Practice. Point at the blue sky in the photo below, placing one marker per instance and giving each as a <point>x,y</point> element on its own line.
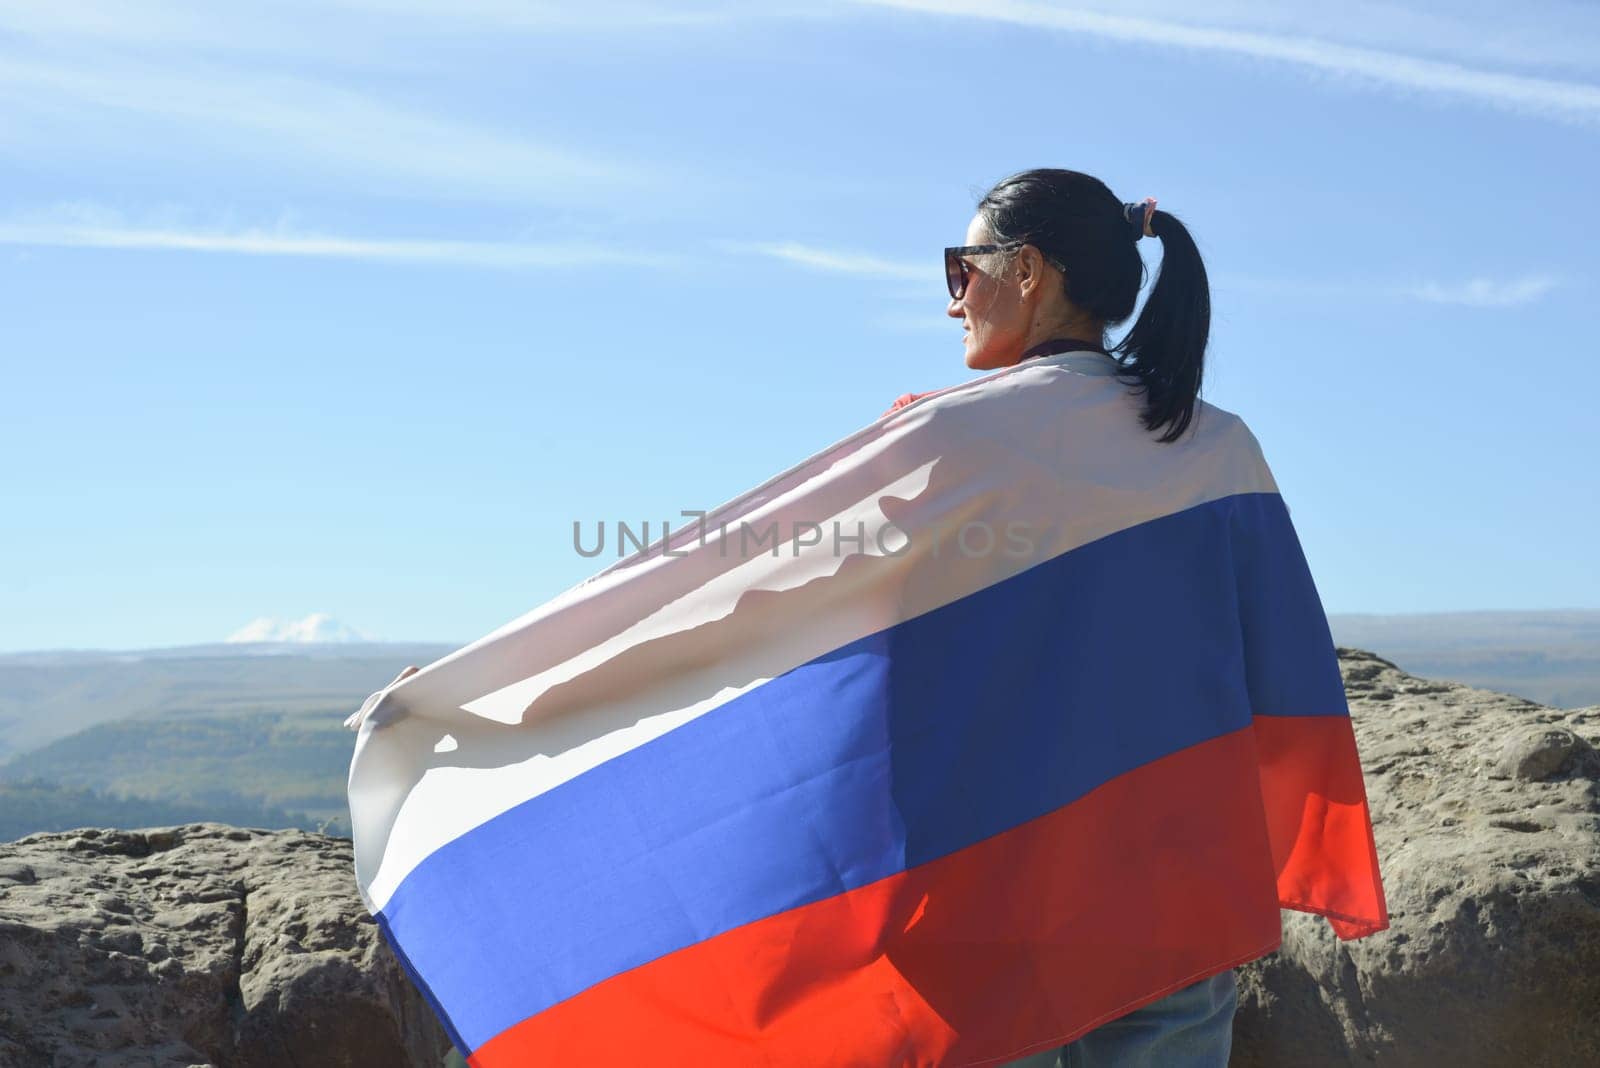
<point>355,308</point>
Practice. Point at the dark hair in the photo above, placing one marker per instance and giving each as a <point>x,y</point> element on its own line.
<point>1076,221</point>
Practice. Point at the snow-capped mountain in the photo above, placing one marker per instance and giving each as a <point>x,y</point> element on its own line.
<point>317,627</point>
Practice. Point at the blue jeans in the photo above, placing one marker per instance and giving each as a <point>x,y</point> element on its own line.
<point>1189,1028</point>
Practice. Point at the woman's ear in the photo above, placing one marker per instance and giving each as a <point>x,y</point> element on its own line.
<point>1030,270</point>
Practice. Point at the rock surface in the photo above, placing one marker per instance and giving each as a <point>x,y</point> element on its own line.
<point>198,945</point>
<point>1486,811</point>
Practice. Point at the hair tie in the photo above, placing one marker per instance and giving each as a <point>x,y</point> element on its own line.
<point>1138,214</point>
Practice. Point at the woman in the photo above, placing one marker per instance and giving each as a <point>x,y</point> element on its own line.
<point>1050,258</point>
<point>1050,261</point>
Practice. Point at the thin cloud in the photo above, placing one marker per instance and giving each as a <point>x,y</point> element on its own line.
<point>517,15</point>
<point>1278,286</point>
<point>1483,292</point>
<point>1539,33</point>
<point>484,254</point>
<point>315,125</point>
<point>1567,101</point>
<point>1477,292</point>
<point>861,265</point>
<point>278,27</point>
<point>1538,36</point>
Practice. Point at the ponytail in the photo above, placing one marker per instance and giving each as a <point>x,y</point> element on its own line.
<point>1165,349</point>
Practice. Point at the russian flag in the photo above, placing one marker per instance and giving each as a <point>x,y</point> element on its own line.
<point>988,724</point>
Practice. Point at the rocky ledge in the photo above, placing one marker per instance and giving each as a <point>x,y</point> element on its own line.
<point>1486,811</point>
<point>211,945</point>
<point>198,945</point>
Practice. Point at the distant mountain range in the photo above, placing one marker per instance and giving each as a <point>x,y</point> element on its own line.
<point>251,731</point>
<point>1550,657</point>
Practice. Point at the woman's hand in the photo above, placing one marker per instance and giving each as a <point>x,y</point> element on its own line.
<point>903,400</point>
<point>357,718</point>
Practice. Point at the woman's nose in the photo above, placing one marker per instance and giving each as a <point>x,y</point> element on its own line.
<point>954,309</point>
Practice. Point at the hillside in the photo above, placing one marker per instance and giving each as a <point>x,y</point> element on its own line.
<point>252,733</point>
<point>270,761</point>
<point>47,696</point>
<point>31,806</point>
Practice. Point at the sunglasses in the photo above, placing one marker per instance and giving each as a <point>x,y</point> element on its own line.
<point>955,268</point>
